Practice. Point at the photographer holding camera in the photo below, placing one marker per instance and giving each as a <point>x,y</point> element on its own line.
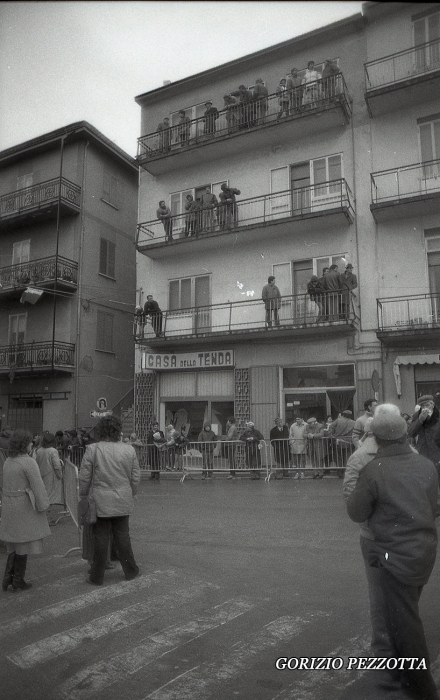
<point>425,426</point>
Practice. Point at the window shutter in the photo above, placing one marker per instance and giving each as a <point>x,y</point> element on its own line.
<point>111,259</point>
<point>103,256</point>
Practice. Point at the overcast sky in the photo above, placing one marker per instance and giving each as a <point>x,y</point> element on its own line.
<point>62,62</point>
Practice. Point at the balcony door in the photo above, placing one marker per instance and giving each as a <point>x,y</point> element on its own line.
<point>427,29</point>
<point>434,282</point>
<point>429,135</point>
<point>325,175</point>
<point>300,184</point>
<point>21,252</point>
<point>202,313</point>
<point>302,272</point>
<point>16,337</point>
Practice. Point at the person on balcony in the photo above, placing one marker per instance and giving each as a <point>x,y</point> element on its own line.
<point>152,309</point>
<point>260,95</point>
<point>209,118</point>
<point>311,92</point>
<point>293,85</point>
<point>245,97</point>
<point>232,108</point>
<point>349,281</point>
<point>209,203</point>
<point>333,286</point>
<point>316,293</point>
<point>330,82</point>
<point>228,206</point>
<point>271,296</point>
<point>183,128</point>
<point>164,131</point>
<point>283,99</point>
<point>164,214</point>
<point>279,439</point>
<point>190,217</point>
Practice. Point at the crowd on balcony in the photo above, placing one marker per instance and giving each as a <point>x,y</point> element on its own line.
<point>247,107</point>
<point>332,292</point>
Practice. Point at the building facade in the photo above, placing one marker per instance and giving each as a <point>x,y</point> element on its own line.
<point>330,167</point>
<point>68,203</point>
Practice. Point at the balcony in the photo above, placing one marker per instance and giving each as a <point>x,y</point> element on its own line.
<point>411,190</point>
<point>42,273</point>
<point>326,205</point>
<point>45,358</point>
<point>177,147</point>
<point>39,203</point>
<point>409,320</point>
<point>403,79</point>
<point>299,317</point>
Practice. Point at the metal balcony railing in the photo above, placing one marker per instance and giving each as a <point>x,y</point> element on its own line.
<point>257,211</point>
<point>38,195</point>
<point>298,102</point>
<point>38,271</point>
<point>295,311</point>
<point>408,312</point>
<point>36,355</point>
<point>407,181</point>
<point>403,65</point>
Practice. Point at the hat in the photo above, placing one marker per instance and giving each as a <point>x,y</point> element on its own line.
<point>349,266</point>
<point>389,426</point>
<point>311,420</point>
<point>250,424</point>
<point>425,398</point>
<point>208,103</point>
<point>347,413</point>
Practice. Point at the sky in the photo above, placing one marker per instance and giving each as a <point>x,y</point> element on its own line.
<point>62,62</point>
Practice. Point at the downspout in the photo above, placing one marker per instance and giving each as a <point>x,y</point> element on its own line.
<point>57,245</point>
<point>80,277</point>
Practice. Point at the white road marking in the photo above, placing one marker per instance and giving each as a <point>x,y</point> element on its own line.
<point>51,647</point>
<point>82,601</point>
<point>194,685</point>
<point>101,675</point>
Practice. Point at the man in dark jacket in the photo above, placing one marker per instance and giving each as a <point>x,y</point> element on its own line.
<point>209,118</point>
<point>252,438</point>
<point>397,492</point>
<point>279,439</point>
<point>425,426</point>
<point>152,309</point>
<point>333,285</point>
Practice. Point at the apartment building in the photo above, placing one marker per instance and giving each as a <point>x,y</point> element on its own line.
<point>68,202</point>
<point>335,173</point>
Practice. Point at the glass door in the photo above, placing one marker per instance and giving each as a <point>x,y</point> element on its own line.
<point>202,297</point>
<point>300,184</point>
<point>306,405</point>
<point>301,306</point>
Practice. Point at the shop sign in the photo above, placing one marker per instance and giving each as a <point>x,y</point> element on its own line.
<point>189,360</point>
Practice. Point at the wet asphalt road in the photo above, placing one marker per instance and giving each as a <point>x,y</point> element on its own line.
<point>234,574</point>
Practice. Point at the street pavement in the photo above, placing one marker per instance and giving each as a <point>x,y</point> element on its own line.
<point>234,575</point>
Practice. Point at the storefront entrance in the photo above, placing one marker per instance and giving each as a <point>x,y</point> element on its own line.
<point>307,405</point>
<point>194,414</point>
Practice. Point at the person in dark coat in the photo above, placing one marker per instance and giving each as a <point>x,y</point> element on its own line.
<point>209,118</point>
<point>260,101</point>
<point>252,437</point>
<point>425,426</point>
<point>164,214</point>
<point>279,439</point>
<point>228,213</point>
<point>316,293</point>
<point>349,282</point>
<point>183,128</point>
<point>293,84</point>
<point>397,493</point>
<point>152,309</point>
<point>333,285</point>
<point>330,81</point>
<point>245,98</point>
<point>164,131</point>
<point>155,439</point>
<point>208,440</point>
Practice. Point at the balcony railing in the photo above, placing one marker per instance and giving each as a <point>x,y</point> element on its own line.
<point>29,356</point>
<point>407,181</point>
<point>300,102</point>
<point>40,271</point>
<point>296,311</point>
<point>409,312</point>
<point>417,61</point>
<point>39,195</point>
<point>314,200</point>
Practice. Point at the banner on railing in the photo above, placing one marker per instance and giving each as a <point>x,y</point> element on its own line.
<point>188,360</point>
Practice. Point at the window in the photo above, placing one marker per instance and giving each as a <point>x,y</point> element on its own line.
<point>111,190</point>
<point>429,134</point>
<point>427,29</point>
<point>24,181</point>
<point>107,253</point>
<point>432,244</point>
<point>189,292</point>
<point>104,331</point>
<point>21,252</point>
<point>314,185</point>
<point>178,201</point>
<point>17,329</point>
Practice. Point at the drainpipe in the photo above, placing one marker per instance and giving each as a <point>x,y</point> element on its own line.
<point>54,312</point>
<point>80,277</point>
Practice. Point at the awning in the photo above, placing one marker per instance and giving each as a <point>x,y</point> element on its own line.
<point>411,360</point>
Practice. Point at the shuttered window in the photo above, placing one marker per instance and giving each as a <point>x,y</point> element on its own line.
<point>107,255</point>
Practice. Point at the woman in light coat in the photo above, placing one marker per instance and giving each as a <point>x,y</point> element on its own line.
<point>113,467</point>
<point>49,463</point>
<point>24,523</point>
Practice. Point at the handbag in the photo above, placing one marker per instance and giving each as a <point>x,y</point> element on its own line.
<point>87,505</point>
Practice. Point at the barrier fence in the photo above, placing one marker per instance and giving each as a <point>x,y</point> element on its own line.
<point>310,456</point>
<point>71,497</point>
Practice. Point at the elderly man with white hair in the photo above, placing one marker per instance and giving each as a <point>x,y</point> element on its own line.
<point>397,493</point>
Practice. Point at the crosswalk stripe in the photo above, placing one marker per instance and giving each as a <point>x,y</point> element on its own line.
<point>57,644</point>
<point>82,601</point>
<point>194,685</point>
<point>100,675</point>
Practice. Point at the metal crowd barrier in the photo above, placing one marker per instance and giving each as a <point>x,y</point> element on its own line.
<point>310,455</point>
<point>233,457</point>
<point>71,497</point>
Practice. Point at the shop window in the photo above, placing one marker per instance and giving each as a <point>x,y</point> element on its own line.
<point>318,376</point>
